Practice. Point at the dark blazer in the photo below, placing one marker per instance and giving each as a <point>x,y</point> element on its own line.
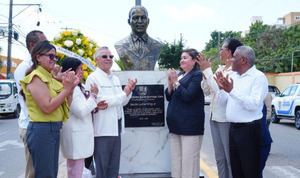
<point>185,114</point>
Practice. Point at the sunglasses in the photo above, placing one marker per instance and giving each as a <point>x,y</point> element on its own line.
<point>106,56</point>
<point>51,56</point>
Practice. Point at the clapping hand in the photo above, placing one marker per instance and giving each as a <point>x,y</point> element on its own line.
<point>172,77</point>
<point>130,86</point>
<point>56,73</point>
<point>70,80</point>
<point>203,63</point>
<point>224,83</point>
<point>102,105</point>
<point>94,89</point>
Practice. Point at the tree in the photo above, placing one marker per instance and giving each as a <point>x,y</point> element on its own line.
<point>211,48</point>
<point>120,64</point>
<point>274,46</point>
<point>170,54</point>
<point>213,42</point>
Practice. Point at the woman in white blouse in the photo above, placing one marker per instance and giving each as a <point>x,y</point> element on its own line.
<point>77,139</point>
<point>218,124</point>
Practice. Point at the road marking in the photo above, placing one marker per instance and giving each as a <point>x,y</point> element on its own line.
<point>207,170</point>
<point>11,142</point>
<point>284,171</point>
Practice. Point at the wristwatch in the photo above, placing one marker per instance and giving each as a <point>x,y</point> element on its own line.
<point>176,85</point>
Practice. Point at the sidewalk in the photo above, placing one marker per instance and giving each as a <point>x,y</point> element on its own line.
<point>206,171</point>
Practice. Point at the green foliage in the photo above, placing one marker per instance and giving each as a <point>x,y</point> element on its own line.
<point>273,46</point>
<point>211,48</point>
<point>213,42</point>
<point>170,54</point>
<point>120,64</point>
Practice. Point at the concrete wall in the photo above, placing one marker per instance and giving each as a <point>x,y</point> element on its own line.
<point>283,80</point>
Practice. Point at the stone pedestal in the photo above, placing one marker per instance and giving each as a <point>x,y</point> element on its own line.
<point>145,149</point>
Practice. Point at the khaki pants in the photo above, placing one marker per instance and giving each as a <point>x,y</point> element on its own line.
<point>185,155</point>
<point>29,165</point>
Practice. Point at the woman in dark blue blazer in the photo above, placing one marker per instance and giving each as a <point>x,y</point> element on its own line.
<point>185,116</point>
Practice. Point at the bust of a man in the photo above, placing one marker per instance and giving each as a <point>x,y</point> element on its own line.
<point>138,51</point>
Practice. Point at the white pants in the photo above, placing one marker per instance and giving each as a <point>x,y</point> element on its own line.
<point>185,155</point>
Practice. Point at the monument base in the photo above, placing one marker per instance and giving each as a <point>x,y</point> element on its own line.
<point>145,150</point>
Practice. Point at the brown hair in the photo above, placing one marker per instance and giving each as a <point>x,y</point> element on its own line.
<point>193,53</point>
<point>40,48</point>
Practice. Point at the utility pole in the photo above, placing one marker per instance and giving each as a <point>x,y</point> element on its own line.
<point>9,40</point>
<point>292,62</point>
<point>219,48</point>
<point>138,2</point>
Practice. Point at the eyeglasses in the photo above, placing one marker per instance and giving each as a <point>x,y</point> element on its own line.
<point>51,56</point>
<point>221,49</point>
<point>106,56</point>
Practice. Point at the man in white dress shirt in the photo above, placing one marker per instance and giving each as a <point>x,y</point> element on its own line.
<point>32,38</point>
<point>108,123</point>
<point>244,94</point>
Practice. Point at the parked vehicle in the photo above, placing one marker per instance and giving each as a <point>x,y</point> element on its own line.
<point>274,91</point>
<point>9,103</point>
<point>287,105</point>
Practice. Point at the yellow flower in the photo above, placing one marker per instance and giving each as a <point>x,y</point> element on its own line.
<point>58,44</point>
<point>84,67</point>
<point>86,42</point>
<point>67,33</point>
<point>85,74</point>
<point>90,53</point>
<point>94,63</point>
<point>60,55</point>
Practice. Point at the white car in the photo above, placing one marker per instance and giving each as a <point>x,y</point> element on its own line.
<point>287,105</point>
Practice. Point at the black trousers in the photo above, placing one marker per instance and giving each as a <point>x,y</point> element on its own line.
<point>244,145</point>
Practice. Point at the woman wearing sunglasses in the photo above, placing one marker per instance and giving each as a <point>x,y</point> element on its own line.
<point>47,103</point>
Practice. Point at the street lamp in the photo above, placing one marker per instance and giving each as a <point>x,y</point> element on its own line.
<point>292,62</point>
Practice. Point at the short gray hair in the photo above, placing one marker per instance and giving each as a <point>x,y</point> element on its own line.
<point>99,51</point>
<point>247,52</point>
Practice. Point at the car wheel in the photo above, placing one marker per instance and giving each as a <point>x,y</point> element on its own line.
<point>297,119</point>
<point>274,117</point>
<point>17,112</point>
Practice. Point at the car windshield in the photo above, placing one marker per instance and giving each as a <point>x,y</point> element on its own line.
<point>5,89</point>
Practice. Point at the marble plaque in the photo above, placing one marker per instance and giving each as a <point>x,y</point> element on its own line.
<point>146,107</point>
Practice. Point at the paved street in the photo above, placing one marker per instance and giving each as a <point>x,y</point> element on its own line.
<point>12,158</point>
<point>284,160</point>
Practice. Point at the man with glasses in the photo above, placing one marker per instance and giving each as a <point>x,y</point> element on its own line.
<point>109,122</point>
<point>138,51</point>
<point>32,39</point>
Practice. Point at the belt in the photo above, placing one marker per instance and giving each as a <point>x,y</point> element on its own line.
<point>244,123</point>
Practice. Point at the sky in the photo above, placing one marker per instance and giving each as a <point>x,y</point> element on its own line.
<point>105,21</point>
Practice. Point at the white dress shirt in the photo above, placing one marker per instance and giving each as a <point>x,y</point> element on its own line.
<point>210,87</point>
<point>19,74</point>
<point>110,90</point>
<point>246,99</point>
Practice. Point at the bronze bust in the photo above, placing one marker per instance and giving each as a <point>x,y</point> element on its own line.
<point>138,51</point>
